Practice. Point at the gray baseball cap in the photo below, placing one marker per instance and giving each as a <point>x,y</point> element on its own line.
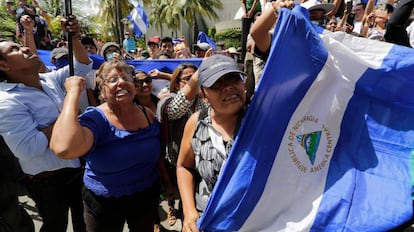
<point>214,67</point>
<point>58,53</point>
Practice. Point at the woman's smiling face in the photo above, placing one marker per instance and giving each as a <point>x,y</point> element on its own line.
<point>119,86</point>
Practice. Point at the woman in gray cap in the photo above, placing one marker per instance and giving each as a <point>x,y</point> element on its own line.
<point>209,134</point>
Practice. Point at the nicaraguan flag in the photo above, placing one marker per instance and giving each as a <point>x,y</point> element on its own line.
<point>202,37</point>
<point>139,20</point>
<point>326,142</point>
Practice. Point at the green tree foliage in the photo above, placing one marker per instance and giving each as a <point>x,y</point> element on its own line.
<point>230,38</point>
<point>193,9</point>
<point>110,15</point>
<point>7,24</point>
<point>53,7</point>
<point>170,13</point>
<point>107,23</point>
<point>156,15</point>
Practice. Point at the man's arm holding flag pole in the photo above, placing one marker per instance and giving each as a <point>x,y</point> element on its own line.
<point>71,29</point>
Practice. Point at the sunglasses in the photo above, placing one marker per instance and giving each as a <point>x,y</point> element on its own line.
<point>140,82</point>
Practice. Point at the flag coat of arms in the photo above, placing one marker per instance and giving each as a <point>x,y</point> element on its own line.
<point>326,142</point>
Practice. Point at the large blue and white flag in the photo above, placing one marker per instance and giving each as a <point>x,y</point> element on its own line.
<point>139,20</point>
<point>326,142</point>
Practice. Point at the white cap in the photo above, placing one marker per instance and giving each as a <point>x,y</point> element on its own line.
<point>316,5</point>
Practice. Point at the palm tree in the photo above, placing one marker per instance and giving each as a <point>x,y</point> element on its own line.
<point>53,7</point>
<point>192,9</point>
<point>157,17</point>
<point>169,13</point>
<point>111,12</point>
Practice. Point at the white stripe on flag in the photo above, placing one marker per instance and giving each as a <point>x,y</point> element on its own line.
<point>139,22</point>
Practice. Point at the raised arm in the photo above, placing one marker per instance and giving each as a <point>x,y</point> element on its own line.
<point>260,28</point>
<point>69,139</point>
<point>191,89</point>
<point>368,18</point>
<point>157,73</point>
<point>184,99</point>
<point>251,11</point>
<point>71,26</point>
<point>337,4</point>
<point>29,9</point>
<point>185,176</point>
<point>9,9</point>
<point>28,37</point>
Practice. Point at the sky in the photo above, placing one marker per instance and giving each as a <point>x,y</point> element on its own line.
<point>86,7</point>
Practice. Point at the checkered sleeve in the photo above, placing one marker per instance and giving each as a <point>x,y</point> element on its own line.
<point>179,106</point>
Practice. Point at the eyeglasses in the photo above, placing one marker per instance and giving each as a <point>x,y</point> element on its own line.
<point>115,79</point>
<point>140,82</point>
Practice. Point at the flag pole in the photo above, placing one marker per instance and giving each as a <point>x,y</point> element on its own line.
<point>68,15</point>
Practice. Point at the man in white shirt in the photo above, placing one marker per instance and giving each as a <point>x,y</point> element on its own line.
<point>29,105</point>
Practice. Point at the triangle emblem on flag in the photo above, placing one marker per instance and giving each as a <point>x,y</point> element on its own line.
<point>310,143</point>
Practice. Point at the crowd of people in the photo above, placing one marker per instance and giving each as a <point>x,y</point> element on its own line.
<point>106,142</point>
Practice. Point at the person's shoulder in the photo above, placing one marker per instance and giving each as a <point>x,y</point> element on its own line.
<point>5,96</point>
<point>93,112</point>
<point>194,117</point>
<point>5,87</point>
<point>192,121</point>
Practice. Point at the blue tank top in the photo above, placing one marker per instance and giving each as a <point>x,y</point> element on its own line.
<point>121,162</point>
